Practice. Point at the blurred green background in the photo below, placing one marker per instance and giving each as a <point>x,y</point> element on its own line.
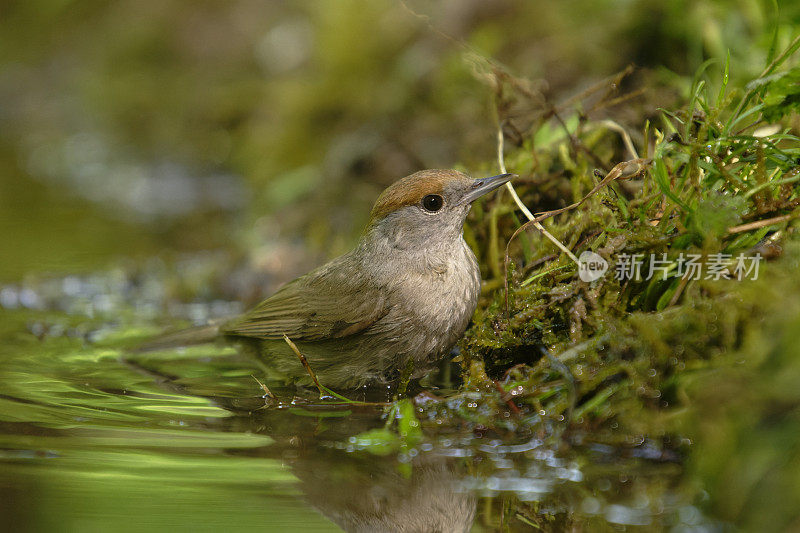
<point>253,137</point>
<point>135,128</point>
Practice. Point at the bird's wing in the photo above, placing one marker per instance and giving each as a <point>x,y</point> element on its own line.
<point>324,304</point>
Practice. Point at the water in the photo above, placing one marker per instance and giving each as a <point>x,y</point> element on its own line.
<point>94,437</point>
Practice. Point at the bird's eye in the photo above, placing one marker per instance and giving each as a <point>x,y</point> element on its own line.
<point>432,202</point>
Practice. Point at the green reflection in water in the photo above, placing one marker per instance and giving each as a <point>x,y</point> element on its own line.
<point>88,443</point>
<point>133,490</point>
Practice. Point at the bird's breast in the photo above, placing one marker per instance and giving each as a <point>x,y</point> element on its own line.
<point>434,298</point>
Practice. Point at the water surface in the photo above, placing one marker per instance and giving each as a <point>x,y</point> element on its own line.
<point>95,437</point>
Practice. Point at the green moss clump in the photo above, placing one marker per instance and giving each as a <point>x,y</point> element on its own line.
<point>703,367</point>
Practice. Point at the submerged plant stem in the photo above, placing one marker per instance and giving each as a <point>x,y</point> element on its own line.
<point>308,368</point>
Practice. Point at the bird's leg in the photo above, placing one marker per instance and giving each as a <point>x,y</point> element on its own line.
<point>405,378</point>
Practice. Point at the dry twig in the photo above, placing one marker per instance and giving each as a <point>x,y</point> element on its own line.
<point>299,354</point>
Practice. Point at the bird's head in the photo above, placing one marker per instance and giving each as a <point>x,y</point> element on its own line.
<point>429,204</point>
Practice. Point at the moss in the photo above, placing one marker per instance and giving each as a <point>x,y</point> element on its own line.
<point>671,360</point>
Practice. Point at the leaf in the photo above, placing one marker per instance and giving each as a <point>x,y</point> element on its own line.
<point>781,93</point>
<point>380,441</point>
<point>662,180</point>
<point>407,423</point>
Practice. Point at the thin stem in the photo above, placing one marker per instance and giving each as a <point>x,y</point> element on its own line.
<point>626,138</point>
<point>762,223</point>
<point>308,368</point>
<point>501,163</point>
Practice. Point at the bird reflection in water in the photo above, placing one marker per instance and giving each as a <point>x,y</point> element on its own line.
<point>363,492</point>
<point>368,494</point>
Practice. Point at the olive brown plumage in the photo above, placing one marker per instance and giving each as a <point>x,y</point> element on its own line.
<point>404,295</point>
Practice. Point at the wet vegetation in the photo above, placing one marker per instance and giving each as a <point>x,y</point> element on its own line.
<point>639,364</point>
<point>180,174</point>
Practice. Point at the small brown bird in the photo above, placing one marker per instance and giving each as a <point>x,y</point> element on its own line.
<point>403,296</point>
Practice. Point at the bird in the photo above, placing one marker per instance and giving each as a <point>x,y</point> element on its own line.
<point>393,306</point>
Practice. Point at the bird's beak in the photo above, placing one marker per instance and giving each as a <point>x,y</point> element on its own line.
<point>483,185</point>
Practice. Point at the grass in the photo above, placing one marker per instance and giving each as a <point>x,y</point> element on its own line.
<point>694,378</point>
<point>697,367</point>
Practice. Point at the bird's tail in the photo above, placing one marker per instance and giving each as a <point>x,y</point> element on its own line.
<point>185,337</point>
